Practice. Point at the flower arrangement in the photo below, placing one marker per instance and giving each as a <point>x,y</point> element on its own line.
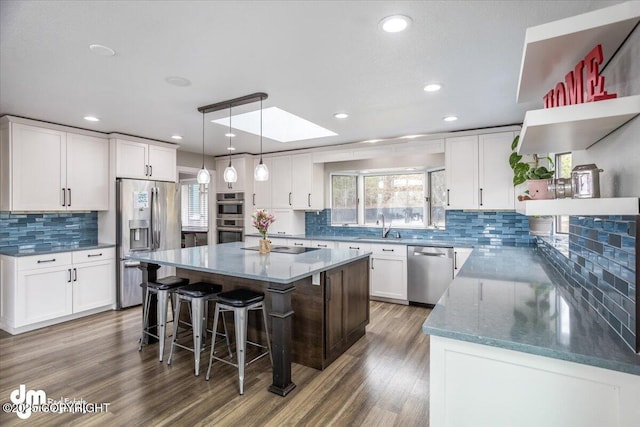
<point>262,220</point>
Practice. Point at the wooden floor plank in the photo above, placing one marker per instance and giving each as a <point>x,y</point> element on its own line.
<point>383,379</point>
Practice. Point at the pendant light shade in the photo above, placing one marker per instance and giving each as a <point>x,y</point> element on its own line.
<point>230,174</point>
<point>261,173</point>
<point>203,176</point>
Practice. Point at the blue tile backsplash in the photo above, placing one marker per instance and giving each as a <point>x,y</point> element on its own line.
<point>472,227</point>
<point>601,267</point>
<point>47,230</point>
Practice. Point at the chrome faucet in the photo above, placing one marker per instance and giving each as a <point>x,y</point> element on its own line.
<point>384,233</point>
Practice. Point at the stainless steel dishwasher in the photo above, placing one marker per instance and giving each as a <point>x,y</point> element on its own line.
<point>429,272</point>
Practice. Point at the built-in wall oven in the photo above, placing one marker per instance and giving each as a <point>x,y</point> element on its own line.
<point>230,217</point>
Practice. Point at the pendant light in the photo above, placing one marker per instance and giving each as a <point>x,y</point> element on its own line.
<point>203,176</point>
<point>230,174</point>
<point>261,173</point>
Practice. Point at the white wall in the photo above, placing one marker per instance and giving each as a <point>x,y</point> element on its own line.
<point>619,153</point>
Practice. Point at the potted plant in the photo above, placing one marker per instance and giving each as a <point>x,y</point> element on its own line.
<point>536,178</point>
<point>261,221</point>
<point>535,175</point>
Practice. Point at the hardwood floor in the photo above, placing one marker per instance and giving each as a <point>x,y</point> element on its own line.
<point>381,380</point>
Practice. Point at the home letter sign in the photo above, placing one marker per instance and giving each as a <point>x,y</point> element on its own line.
<point>571,91</point>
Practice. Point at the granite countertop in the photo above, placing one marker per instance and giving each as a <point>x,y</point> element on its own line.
<point>231,260</point>
<point>512,298</point>
<point>53,249</point>
<point>370,239</point>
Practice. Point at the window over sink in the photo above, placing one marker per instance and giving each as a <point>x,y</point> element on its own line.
<point>406,199</point>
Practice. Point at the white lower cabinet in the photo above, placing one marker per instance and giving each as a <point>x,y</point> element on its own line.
<point>42,290</point>
<point>388,277</point>
<point>479,385</point>
<point>43,294</point>
<point>460,256</point>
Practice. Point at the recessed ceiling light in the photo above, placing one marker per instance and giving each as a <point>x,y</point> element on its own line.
<point>279,125</point>
<point>411,136</point>
<point>364,171</point>
<point>91,119</point>
<point>231,148</point>
<point>176,137</point>
<point>178,81</point>
<point>340,115</point>
<point>395,23</point>
<point>371,141</point>
<point>101,50</point>
<point>230,135</point>
<point>410,169</point>
<point>450,118</point>
<point>433,87</point>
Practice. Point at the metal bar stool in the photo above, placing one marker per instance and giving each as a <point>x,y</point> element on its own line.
<point>162,288</point>
<point>198,294</point>
<point>240,301</point>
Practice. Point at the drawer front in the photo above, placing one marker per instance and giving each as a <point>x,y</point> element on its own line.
<point>389,250</point>
<point>44,261</point>
<point>361,246</point>
<point>91,255</point>
<point>324,244</point>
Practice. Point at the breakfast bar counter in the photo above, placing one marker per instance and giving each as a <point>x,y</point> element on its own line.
<point>317,300</point>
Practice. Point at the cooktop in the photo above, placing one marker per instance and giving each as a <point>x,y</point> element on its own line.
<point>285,249</point>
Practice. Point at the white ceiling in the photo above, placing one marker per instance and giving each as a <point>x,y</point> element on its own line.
<point>313,58</point>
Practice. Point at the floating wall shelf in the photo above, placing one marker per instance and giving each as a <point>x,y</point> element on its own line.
<point>574,127</point>
<point>600,206</point>
<point>552,50</point>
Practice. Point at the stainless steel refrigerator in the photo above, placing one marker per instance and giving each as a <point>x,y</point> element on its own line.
<point>148,219</point>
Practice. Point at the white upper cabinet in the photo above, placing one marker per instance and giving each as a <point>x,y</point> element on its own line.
<point>51,170</point>
<point>262,189</point>
<point>280,176</point>
<point>87,172</point>
<point>461,172</point>
<point>495,177</point>
<point>139,160</point>
<point>296,182</point>
<point>478,175</point>
<point>307,183</point>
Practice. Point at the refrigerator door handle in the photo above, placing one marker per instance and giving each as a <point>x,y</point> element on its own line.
<point>159,215</point>
<point>152,244</point>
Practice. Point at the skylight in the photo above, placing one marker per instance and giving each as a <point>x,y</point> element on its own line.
<point>278,125</point>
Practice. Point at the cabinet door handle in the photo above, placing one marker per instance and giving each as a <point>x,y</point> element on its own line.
<point>455,260</point>
<point>146,170</point>
<point>150,170</point>
<point>282,232</point>
<point>387,250</point>
<point>69,270</point>
<point>448,197</point>
<point>41,261</point>
<point>92,255</point>
<point>290,199</point>
<point>298,244</point>
<point>309,199</point>
<point>322,246</point>
<point>372,264</point>
<point>64,197</point>
<point>75,274</point>
<point>353,247</point>
<point>69,203</point>
<point>254,199</point>
<point>481,197</point>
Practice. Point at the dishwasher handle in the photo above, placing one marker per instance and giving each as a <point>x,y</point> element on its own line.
<point>430,254</point>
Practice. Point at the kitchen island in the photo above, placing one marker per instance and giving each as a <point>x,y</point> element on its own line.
<point>317,300</point>
<point>511,343</point>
